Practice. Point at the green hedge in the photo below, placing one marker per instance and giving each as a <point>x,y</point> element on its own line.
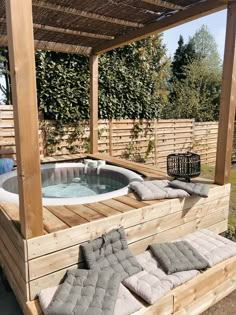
<point>131,83</point>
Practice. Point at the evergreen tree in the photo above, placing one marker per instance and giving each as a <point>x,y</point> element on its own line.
<point>196,79</point>
<point>184,55</point>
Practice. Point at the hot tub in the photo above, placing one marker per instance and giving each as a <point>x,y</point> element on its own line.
<point>73,183</point>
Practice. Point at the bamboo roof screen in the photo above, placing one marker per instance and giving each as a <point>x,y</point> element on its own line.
<point>95,26</point>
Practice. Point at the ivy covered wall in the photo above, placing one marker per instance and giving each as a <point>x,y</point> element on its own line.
<point>132,83</point>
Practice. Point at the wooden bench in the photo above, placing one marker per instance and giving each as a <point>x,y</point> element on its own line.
<point>35,264</point>
<point>193,297</point>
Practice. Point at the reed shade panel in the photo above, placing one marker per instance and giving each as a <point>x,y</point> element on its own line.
<point>95,26</point>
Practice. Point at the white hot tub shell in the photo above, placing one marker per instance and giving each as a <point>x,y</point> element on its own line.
<point>65,172</point>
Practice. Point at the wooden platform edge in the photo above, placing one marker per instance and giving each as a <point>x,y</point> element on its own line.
<point>193,297</point>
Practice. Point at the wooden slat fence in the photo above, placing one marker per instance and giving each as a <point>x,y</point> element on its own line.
<point>148,141</point>
<point>7,133</point>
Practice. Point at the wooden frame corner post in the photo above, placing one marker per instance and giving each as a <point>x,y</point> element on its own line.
<point>93,104</point>
<point>227,102</point>
<point>22,65</point>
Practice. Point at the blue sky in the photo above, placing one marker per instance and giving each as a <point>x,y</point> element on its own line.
<point>216,23</point>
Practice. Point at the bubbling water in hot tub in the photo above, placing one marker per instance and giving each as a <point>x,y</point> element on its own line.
<point>74,183</point>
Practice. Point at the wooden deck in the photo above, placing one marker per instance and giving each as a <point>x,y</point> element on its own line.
<point>34,264</point>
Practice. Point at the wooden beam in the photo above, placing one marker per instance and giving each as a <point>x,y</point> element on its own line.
<point>71,32</point>
<point>65,48</point>
<point>22,65</point>
<point>164,4</point>
<point>66,31</point>
<point>165,23</point>
<point>227,102</point>
<point>89,15</point>
<point>93,104</point>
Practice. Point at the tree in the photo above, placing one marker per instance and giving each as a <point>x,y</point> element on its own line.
<point>205,46</point>
<point>197,96</point>
<point>185,54</point>
<point>196,79</point>
<point>4,73</point>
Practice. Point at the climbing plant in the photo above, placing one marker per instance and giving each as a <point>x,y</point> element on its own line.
<point>131,82</point>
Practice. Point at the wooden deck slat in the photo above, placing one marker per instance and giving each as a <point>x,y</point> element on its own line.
<point>66,215</point>
<point>13,212</point>
<point>51,222</point>
<point>103,209</point>
<point>117,205</point>
<point>131,202</point>
<point>85,212</point>
<point>146,170</point>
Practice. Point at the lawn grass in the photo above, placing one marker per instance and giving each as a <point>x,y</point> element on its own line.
<point>208,172</point>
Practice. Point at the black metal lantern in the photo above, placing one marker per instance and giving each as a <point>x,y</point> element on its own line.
<point>183,165</point>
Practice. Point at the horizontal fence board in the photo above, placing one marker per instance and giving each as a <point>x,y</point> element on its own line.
<point>128,138</point>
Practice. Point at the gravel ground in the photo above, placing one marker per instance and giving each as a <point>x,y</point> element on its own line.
<point>227,306</point>
<point>8,303</point>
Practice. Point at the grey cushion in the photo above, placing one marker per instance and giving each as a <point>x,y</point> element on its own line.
<point>126,303</point>
<point>153,283</point>
<point>192,188</point>
<point>213,247</point>
<point>110,252</point>
<point>157,189</point>
<point>86,292</point>
<point>178,256</point>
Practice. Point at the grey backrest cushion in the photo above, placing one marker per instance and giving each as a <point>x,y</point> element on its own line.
<point>86,292</point>
<point>192,188</point>
<point>157,189</point>
<point>110,252</point>
<point>178,256</point>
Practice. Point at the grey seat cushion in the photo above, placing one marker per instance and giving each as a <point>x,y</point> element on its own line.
<point>157,189</point>
<point>178,256</point>
<point>126,303</point>
<point>86,292</point>
<point>110,252</point>
<point>199,189</point>
<point>213,247</point>
<point>153,283</point>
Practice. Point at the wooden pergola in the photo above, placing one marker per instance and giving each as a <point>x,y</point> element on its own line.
<point>91,28</point>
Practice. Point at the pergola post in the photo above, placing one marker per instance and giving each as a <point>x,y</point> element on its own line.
<point>227,102</point>
<point>93,104</point>
<point>23,78</point>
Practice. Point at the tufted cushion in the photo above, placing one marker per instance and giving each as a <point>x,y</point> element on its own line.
<point>157,189</point>
<point>86,292</point>
<point>153,283</point>
<point>126,303</point>
<point>178,256</point>
<point>213,247</point>
<point>192,188</point>
<point>110,252</point>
